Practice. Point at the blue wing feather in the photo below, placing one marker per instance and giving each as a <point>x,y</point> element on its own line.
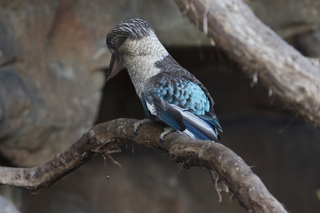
<point>157,108</point>
<point>183,103</point>
<point>179,118</point>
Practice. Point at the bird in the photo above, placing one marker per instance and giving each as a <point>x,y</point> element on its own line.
<point>168,92</point>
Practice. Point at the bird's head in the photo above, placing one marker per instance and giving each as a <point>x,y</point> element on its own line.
<point>118,42</point>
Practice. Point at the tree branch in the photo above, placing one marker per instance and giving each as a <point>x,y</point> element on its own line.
<point>261,52</point>
<point>246,186</point>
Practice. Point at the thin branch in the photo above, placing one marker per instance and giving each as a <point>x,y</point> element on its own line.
<point>261,52</point>
<point>105,137</point>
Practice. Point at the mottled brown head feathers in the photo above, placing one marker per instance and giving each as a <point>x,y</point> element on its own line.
<point>130,29</point>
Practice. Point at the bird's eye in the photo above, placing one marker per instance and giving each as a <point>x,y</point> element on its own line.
<point>111,44</point>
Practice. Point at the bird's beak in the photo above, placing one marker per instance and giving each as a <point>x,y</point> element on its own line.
<point>115,66</point>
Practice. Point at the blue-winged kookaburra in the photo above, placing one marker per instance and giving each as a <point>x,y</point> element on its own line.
<point>168,92</point>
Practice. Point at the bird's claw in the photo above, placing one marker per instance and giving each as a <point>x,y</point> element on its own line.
<point>136,125</point>
<point>166,131</point>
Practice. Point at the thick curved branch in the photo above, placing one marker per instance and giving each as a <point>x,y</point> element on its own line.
<point>246,186</point>
<point>261,52</point>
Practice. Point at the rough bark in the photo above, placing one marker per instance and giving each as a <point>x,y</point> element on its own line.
<point>232,26</point>
<point>105,137</point>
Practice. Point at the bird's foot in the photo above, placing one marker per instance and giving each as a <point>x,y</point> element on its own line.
<point>136,125</point>
<point>166,131</point>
